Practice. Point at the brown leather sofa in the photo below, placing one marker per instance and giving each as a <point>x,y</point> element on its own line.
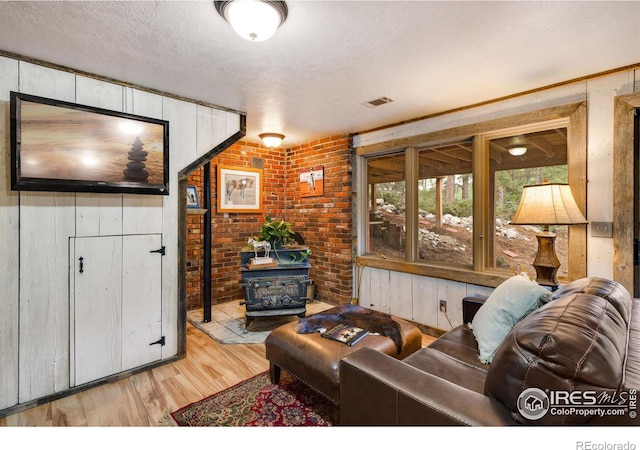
<point>581,350</point>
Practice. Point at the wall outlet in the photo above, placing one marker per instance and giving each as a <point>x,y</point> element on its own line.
<point>443,306</point>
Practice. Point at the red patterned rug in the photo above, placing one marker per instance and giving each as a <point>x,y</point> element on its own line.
<point>258,403</point>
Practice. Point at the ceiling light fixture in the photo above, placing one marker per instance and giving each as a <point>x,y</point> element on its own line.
<point>255,20</point>
<point>272,139</point>
<point>517,146</point>
<point>517,151</point>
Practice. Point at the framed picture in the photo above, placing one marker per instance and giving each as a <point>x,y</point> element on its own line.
<point>312,181</point>
<point>62,146</point>
<point>193,201</point>
<point>239,189</point>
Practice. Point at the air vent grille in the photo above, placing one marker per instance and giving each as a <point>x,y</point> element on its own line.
<point>377,102</point>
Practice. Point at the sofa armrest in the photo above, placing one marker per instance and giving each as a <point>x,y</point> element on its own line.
<point>376,389</point>
<point>470,306</point>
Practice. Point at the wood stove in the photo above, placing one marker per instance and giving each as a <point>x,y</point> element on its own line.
<point>275,291</point>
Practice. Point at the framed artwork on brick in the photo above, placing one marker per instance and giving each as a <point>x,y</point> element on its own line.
<point>193,201</point>
<point>312,181</point>
<point>239,189</point>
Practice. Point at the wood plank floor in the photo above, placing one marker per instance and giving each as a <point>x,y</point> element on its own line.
<point>144,399</point>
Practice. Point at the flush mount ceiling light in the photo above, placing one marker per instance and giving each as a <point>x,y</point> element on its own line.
<point>517,146</point>
<point>517,151</point>
<point>272,139</point>
<point>255,20</point>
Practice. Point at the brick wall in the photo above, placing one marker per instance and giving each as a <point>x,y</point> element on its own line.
<point>324,221</point>
<point>195,224</point>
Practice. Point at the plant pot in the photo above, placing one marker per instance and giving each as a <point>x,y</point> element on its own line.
<point>286,256</point>
<point>291,256</point>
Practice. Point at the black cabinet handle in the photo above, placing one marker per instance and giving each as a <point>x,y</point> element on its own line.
<point>81,259</point>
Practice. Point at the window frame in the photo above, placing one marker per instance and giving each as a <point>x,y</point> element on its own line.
<point>572,116</point>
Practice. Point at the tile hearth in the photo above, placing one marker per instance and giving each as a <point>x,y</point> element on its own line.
<point>228,320</point>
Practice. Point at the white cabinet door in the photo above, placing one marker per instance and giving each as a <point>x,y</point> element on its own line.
<point>97,304</point>
<point>141,300</point>
<point>116,304</point>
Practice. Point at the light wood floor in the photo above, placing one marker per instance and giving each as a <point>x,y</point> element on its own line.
<point>145,398</point>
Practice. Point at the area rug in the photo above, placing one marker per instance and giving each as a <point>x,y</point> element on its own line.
<point>258,403</point>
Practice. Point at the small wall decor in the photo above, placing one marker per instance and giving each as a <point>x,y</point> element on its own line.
<point>312,181</point>
<point>62,146</point>
<point>193,201</point>
<point>239,189</point>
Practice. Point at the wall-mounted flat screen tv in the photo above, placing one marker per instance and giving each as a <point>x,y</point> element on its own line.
<point>62,146</point>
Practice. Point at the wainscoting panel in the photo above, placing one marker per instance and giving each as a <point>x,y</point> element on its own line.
<point>46,82</point>
<point>425,300</point>
<point>414,297</point>
<point>9,239</point>
<point>46,222</point>
<point>452,292</point>
<point>401,295</point>
<point>98,214</point>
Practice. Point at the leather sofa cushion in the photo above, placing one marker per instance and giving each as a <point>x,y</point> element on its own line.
<point>614,292</point>
<point>576,342</point>
<point>453,357</point>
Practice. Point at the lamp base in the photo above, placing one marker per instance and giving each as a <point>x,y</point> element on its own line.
<point>546,262</point>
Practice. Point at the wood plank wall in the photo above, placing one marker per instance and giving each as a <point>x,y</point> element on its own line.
<point>35,312</point>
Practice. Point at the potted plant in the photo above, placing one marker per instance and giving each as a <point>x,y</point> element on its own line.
<point>277,232</point>
<point>284,249</point>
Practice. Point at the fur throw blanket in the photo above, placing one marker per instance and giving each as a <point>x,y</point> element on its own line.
<point>357,316</point>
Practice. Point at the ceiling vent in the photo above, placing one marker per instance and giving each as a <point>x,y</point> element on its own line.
<point>377,102</point>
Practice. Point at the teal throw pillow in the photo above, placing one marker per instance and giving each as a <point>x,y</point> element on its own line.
<point>507,305</point>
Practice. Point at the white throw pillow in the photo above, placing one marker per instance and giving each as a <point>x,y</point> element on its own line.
<point>507,305</point>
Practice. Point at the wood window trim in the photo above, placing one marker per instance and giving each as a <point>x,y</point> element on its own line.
<point>623,188</point>
<point>576,116</point>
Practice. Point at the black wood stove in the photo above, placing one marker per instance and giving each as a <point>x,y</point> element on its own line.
<point>275,291</point>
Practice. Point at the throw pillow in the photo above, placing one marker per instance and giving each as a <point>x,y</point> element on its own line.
<point>507,305</point>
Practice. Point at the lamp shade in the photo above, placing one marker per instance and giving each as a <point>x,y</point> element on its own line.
<point>548,204</point>
<point>254,20</point>
<point>272,139</point>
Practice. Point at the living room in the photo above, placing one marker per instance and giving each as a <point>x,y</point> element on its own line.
<point>596,108</point>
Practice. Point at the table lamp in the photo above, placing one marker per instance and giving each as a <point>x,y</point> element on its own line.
<point>547,204</point>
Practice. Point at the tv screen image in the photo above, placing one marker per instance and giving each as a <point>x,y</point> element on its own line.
<point>62,146</point>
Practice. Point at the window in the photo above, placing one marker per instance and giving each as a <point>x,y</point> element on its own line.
<point>445,203</point>
<point>387,193</point>
<point>513,247</point>
<point>441,205</point>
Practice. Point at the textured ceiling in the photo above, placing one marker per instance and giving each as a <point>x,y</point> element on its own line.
<point>329,57</point>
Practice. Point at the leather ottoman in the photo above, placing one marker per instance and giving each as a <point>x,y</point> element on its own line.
<point>315,360</point>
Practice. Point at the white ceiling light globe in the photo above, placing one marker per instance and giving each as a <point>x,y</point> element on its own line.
<point>254,20</point>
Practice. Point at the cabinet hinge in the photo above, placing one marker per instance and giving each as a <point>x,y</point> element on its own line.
<point>160,250</point>
<point>159,341</point>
